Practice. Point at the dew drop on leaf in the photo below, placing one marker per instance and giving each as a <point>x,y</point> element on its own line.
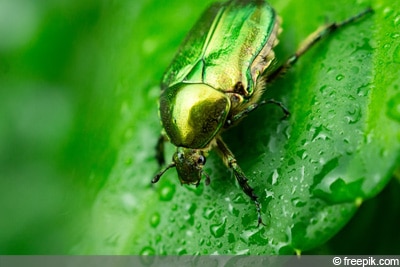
<point>155,220</point>
<point>339,77</point>
<point>364,90</point>
<point>353,114</point>
<point>208,212</point>
<point>395,35</point>
<point>297,202</point>
<point>147,251</point>
<point>167,191</point>
<point>218,230</point>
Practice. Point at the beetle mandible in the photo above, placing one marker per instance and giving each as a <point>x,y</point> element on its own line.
<point>217,77</point>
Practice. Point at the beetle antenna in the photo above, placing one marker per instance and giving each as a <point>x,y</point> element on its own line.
<point>158,176</point>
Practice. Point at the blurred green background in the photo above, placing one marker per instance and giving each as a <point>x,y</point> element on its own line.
<point>78,81</point>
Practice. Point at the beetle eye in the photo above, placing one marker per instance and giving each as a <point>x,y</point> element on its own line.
<point>201,160</point>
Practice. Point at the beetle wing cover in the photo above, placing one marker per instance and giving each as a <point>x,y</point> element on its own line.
<point>222,46</point>
<point>191,49</point>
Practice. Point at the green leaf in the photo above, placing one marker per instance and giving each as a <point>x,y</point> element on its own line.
<point>312,171</point>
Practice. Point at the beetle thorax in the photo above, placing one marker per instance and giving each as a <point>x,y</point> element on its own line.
<point>193,114</point>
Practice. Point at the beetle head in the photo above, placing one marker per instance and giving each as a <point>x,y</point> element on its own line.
<point>189,164</point>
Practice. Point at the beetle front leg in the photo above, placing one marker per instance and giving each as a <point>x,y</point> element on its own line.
<point>311,40</point>
<point>160,149</point>
<point>230,161</point>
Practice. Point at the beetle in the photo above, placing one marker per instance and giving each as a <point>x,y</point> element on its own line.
<point>217,78</point>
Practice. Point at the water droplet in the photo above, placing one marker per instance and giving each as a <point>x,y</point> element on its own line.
<point>167,191</point>
<point>395,35</point>
<point>201,241</point>
<point>239,199</point>
<point>208,212</point>
<point>218,230</point>
<point>320,132</point>
<point>353,114</point>
<point>297,202</point>
<point>387,46</point>
<point>364,90</point>
<point>323,88</point>
<point>183,241</point>
<point>147,251</point>
<point>339,77</point>
<point>155,220</point>
<point>198,225</point>
<point>254,236</point>
<point>302,154</point>
<point>182,251</point>
<point>189,218</point>
<point>191,208</point>
<point>269,195</point>
<point>273,178</point>
<point>241,252</point>
<point>231,238</point>
<point>396,20</point>
<point>387,12</point>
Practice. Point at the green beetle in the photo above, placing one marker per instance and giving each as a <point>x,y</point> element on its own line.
<point>218,77</point>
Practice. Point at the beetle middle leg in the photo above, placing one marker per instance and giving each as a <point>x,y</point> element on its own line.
<point>254,106</point>
<point>230,161</point>
<point>311,40</point>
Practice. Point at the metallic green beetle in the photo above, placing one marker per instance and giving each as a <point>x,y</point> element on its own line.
<point>217,78</point>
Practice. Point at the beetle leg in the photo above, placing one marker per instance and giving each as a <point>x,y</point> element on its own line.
<point>160,149</point>
<point>254,106</point>
<point>207,180</point>
<point>230,161</point>
<point>311,40</point>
